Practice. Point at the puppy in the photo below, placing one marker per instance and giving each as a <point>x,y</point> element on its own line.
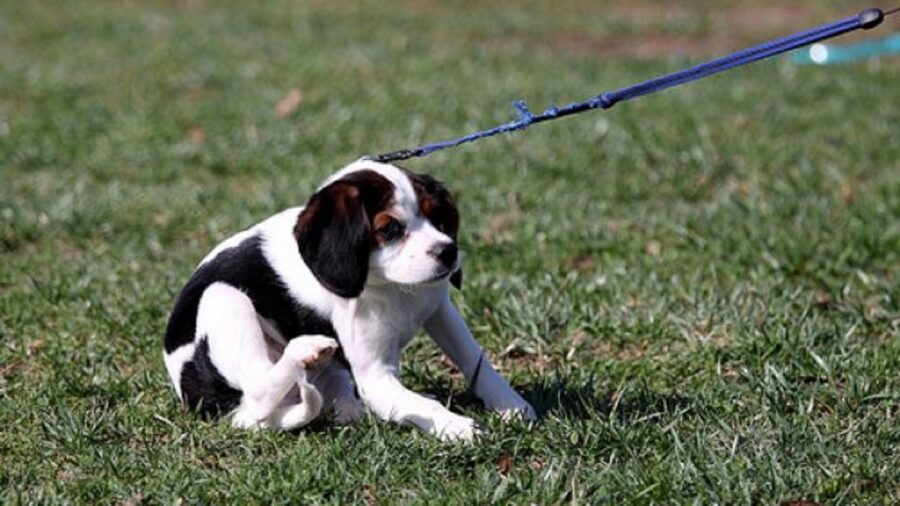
<point>355,273</point>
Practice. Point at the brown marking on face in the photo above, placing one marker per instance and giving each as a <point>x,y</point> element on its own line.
<point>384,228</point>
<point>381,220</point>
<point>436,203</point>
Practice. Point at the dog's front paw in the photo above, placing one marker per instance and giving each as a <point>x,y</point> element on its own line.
<point>310,351</point>
<point>523,411</point>
<point>456,428</point>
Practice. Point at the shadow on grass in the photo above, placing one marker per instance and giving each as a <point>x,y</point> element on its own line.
<point>578,400</point>
<point>562,398</point>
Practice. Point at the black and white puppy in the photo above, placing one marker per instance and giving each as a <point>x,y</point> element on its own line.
<point>361,268</point>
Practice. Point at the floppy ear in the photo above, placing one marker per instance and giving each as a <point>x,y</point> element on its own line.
<point>436,203</point>
<point>334,240</point>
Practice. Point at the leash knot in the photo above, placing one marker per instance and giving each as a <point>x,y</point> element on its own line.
<point>525,116</point>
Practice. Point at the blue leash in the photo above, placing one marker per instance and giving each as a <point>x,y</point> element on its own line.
<point>867,19</point>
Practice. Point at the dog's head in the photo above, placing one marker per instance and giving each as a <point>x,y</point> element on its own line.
<point>379,224</point>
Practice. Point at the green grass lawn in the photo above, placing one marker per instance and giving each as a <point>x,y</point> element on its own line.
<point>699,291</point>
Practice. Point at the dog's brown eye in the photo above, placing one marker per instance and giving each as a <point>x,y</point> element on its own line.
<point>393,231</point>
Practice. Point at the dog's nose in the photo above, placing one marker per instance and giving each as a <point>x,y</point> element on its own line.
<point>446,253</point>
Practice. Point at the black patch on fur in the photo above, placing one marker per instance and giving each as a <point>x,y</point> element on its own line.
<point>245,268</point>
<point>203,388</point>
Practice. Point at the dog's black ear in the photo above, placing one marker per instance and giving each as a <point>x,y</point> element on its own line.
<point>456,279</point>
<point>334,238</point>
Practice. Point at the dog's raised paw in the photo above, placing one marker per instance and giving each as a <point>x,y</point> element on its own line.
<point>310,351</point>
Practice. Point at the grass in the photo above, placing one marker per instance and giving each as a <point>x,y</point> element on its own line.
<point>698,290</point>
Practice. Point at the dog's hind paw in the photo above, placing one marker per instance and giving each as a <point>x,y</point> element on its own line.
<point>242,419</point>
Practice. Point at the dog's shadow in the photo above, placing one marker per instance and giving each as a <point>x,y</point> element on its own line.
<point>580,399</point>
<point>560,398</point>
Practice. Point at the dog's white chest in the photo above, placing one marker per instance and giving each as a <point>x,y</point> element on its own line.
<point>384,321</point>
